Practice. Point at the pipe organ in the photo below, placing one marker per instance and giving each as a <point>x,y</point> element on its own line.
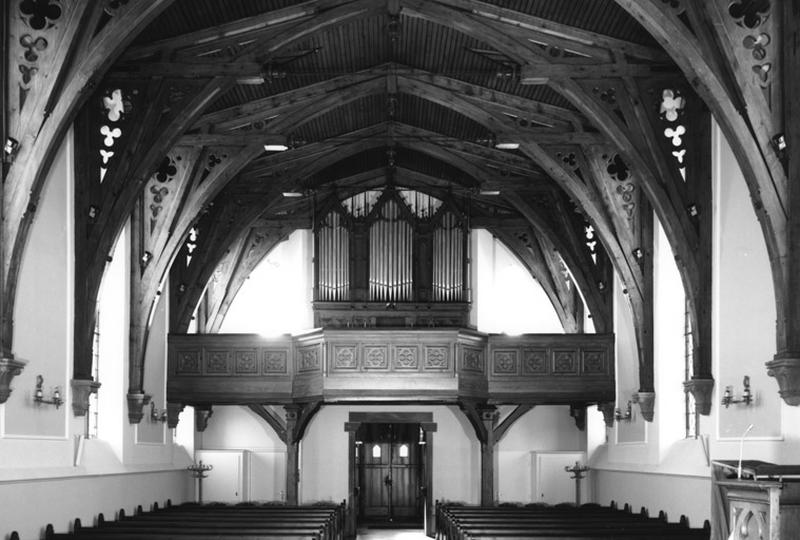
<point>394,257</point>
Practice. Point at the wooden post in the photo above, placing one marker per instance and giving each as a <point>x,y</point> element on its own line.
<point>292,454</point>
<point>488,417</point>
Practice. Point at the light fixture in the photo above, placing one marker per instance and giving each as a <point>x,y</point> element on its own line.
<point>620,416</point>
<point>275,147</point>
<point>292,194</point>
<point>38,395</point>
<point>506,145</point>
<point>10,148</point>
<point>490,192</point>
<point>693,211</point>
<point>146,258</point>
<point>156,415</point>
<point>746,398</point>
<point>779,142</point>
<point>601,286</point>
<point>638,253</point>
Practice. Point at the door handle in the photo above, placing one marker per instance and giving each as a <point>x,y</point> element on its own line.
<point>387,480</point>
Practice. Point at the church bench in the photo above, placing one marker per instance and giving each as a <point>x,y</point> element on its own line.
<point>124,532</point>
<point>456,522</point>
<point>321,522</point>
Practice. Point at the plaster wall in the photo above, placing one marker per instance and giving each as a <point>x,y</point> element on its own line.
<point>542,429</point>
<point>677,478</point>
<point>49,473</point>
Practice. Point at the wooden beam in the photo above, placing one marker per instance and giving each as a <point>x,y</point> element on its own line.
<point>238,31</point>
<point>564,35</point>
<point>270,417</point>
<point>502,428</point>
<point>27,177</point>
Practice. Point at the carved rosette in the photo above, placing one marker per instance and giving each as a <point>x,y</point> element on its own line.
<point>701,391</point>
<point>647,404</point>
<point>81,390</point>
<point>786,369</point>
<point>135,407</point>
<point>9,368</point>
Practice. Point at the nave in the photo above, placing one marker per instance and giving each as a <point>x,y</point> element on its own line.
<point>636,162</point>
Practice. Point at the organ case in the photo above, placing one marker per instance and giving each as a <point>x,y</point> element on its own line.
<point>394,257</point>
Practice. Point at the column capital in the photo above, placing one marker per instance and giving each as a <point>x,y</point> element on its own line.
<point>701,390</point>
<point>81,390</point>
<point>10,367</point>
<point>647,404</point>
<point>785,367</point>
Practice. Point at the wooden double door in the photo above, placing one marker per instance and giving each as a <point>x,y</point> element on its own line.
<point>390,474</point>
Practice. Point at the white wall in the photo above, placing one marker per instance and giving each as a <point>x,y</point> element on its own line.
<point>506,297</point>
<point>47,473</point>
<point>544,428</point>
<point>662,471</point>
<point>456,450</point>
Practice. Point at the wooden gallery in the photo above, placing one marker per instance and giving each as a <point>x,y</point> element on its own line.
<point>373,269</point>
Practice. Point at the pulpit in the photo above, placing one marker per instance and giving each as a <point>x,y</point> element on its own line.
<point>762,500</point>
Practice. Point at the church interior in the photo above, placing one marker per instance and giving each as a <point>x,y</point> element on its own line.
<point>392,254</point>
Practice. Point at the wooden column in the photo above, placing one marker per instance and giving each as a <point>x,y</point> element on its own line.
<point>292,453</point>
<point>488,417</point>
<point>785,367</point>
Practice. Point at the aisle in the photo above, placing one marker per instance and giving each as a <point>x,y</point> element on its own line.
<point>391,534</point>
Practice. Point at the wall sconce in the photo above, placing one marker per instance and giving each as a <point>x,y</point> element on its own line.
<point>38,395</point>
<point>779,142</point>
<point>145,260</point>
<point>10,148</point>
<point>156,415</point>
<point>747,396</point>
<point>619,416</point>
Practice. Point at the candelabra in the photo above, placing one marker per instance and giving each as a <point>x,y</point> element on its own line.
<point>746,397</point>
<point>38,395</point>
<point>577,470</point>
<point>620,416</point>
<point>199,471</point>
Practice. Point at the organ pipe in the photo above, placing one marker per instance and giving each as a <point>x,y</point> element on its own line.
<point>391,250</point>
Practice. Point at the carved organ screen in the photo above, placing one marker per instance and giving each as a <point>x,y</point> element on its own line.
<point>391,246</point>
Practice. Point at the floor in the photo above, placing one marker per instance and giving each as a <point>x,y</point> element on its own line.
<point>391,534</point>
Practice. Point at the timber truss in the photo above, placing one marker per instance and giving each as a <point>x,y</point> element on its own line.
<point>605,104</point>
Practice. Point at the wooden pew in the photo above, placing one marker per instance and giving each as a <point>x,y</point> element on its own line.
<point>456,522</point>
<point>217,522</point>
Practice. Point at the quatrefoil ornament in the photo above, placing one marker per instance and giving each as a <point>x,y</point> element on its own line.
<point>115,105</point>
<point>166,170</point>
<point>672,104</point>
<point>617,168</point>
<point>750,13</point>
<point>40,14</point>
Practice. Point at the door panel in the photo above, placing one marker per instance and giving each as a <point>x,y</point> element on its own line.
<point>390,461</point>
<point>375,487</point>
